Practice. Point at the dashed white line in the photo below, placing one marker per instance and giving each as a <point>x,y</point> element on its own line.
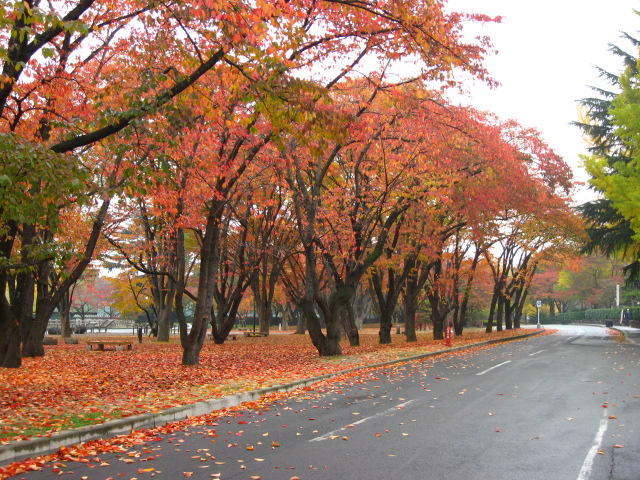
<point>536,353</point>
<point>597,443</point>
<point>494,367</point>
<point>326,436</point>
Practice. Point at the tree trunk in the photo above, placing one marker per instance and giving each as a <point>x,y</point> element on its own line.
<point>164,321</point>
<point>386,324</point>
<point>331,346</point>
<point>349,325</point>
<point>9,336</point>
<point>499,314</point>
<point>492,311</point>
<point>411,310</point>
<point>64,312</point>
<point>285,317</point>
<point>301,325</point>
<point>508,312</point>
<point>180,287</point>
<point>206,287</point>
<point>458,322</point>
<point>387,300</point>
<point>313,324</point>
<point>34,334</point>
<point>438,322</point>
<point>226,318</point>
<point>264,310</point>
<point>32,346</point>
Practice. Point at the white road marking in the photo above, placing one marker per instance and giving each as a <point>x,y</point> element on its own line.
<point>535,353</point>
<point>597,443</point>
<point>327,436</point>
<point>495,366</point>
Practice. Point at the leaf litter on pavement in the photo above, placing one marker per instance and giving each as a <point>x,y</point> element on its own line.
<point>71,386</point>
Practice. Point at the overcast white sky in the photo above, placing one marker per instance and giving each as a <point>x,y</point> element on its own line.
<point>547,53</point>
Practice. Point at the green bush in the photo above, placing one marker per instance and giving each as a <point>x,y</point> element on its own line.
<point>596,315</point>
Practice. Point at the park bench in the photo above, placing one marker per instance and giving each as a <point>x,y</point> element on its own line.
<point>256,334</point>
<point>116,344</point>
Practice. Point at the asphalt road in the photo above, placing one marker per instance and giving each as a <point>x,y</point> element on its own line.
<point>565,406</point>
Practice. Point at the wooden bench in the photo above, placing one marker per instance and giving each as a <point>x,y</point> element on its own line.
<point>116,344</point>
<point>256,334</point>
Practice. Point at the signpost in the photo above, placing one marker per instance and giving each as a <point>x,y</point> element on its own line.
<point>538,305</point>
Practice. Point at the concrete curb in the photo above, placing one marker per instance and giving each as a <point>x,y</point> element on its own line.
<point>627,338</point>
<point>43,445</point>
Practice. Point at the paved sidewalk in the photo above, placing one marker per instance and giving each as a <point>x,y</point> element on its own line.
<point>16,451</point>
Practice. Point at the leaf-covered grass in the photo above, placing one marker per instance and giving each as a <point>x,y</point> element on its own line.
<point>71,386</point>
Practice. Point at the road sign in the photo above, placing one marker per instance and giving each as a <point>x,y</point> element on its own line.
<point>539,303</point>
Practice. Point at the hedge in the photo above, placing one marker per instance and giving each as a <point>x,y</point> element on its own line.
<point>596,314</point>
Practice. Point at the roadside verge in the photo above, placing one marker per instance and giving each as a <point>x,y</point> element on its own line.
<point>20,450</point>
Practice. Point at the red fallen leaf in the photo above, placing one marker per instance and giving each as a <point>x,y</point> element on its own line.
<point>187,474</point>
<point>242,422</point>
<point>497,429</point>
<point>275,444</point>
<point>618,446</point>
<point>171,388</point>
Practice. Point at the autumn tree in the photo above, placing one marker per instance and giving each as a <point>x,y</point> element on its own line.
<point>274,100</point>
<point>535,223</point>
<point>75,74</point>
<point>589,282</point>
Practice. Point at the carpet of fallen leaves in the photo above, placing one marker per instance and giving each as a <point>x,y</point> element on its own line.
<point>72,386</point>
